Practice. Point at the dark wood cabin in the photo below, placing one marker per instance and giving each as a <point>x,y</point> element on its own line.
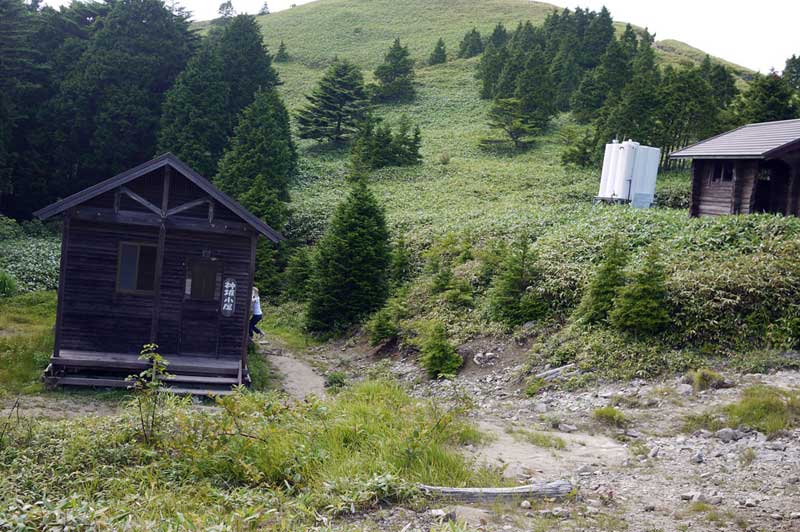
<point>755,168</point>
<point>159,255</point>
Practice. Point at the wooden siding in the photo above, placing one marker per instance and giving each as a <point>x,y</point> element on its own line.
<point>712,197</point>
<point>94,317</point>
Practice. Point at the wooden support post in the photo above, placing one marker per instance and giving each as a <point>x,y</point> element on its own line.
<point>162,237</point>
<point>62,280</point>
<point>249,285</point>
<point>694,198</point>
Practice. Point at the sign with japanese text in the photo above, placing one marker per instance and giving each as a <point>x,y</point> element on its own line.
<point>228,297</point>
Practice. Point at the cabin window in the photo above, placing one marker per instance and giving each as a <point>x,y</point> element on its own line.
<point>203,280</point>
<point>136,269</point>
<point>721,172</point>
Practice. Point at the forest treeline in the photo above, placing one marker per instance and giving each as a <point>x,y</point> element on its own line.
<point>576,62</point>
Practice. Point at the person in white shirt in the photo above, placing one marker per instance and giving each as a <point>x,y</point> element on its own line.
<point>255,306</point>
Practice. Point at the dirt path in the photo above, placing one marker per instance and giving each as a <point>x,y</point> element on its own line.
<point>297,378</point>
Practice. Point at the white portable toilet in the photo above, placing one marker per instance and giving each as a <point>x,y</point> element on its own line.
<point>629,173</point>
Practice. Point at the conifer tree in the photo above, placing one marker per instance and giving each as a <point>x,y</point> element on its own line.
<point>641,305</point>
<point>337,106</point>
<point>791,72</point>
<point>499,36</point>
<point>471,44</point>
<point>246,62</point>
<point>589,98</point>
<point>225,10</point>
<point>395,76</point>
<point>506,115</point>
<point>439,54</point>
<point>350,277</point>
<point>195,113</point>
<point>598,299</point>
<point>282,56</point>
<point>264,9</point>
<point>512,297</point>
<point>565,73</point>
<point>615,69</point>
<point>629,42</point>
<point>506,84</point>
<point>768,98</point>
<point>261,156</point>
<point>297,274</point>
<point>535,91</point>
<point>492,63</point>
<point>598,35</point>
<point>439,357</point>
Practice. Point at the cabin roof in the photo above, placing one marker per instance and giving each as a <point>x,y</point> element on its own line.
<point>753,141</point>
<point>145,168</point>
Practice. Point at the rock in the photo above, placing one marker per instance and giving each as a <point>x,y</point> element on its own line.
<point>443,515</point>
<point>794,515</point>
<point>525,505</point>
<point>650,508</point>
<point>684,389</point>
<point>688,496</point>
<point>485,359</point>
<point>585,470</point>
<point>698,458</point>
<point>633,433</point>
<point>775,446</point>
<point>716,500</point>
<point>750,503</point>
<point>699,497</point>
<point>654,452</point>
<point>540,408</point>
<point>728,435</point>
<point>563,427</point>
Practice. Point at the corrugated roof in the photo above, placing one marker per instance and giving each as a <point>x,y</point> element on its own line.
<point>753,141</point>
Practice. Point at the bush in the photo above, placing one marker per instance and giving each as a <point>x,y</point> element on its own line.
<point>335,380</point>
<point>8,285</point>
<point>641,306</point>
<point>513,298</point>
<point>608,415</point>
<point>382,327</point>
<point>378,146</point>
<point>705,379</point>
<point>766,409</point>
<point>297,274</point>
<point>439,357</point>
<point>9,229</point>
<point>598,299</point>
<point>33,262</point>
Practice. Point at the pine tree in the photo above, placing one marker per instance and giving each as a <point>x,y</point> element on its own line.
<point>535,92</point>
<point>264,9</point>
<point>630,42</point>
<point>506,84</point>
<point>377,146</point>
<point>492,63</point>
<point>226,10</point>
<point>298,274</point>
<point>395,76</point>
<point>641,306</point>
<point>634,114</point>
<point>350,278</point>
<point>246,62</point>
<point>471,44</point>
<point>599,34</point>
<point>791,73</point>
<point>439,357</point>
<point>506,115</point>
<point>282,56</point>
<point>615,69</point>
<point>195,112</point>
<point>439,54</point>
<point>768,98</point>
<point>337,106</point>
<point>565,74</point>
<point>598,299</point>
<point>499,36</point>
<point>723,84</point>
<point>261,158</point>
<point>589,98</point>
<point>512,298</point>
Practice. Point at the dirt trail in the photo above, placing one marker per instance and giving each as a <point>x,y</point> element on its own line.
<point>525,460</point>
<point>298,378</point>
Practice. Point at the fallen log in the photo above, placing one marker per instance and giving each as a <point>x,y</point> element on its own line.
<point>551,374</point>
<point>541,490</point>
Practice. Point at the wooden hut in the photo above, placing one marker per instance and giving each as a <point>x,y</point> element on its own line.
<point>159,255</point>
<point>755,168</point>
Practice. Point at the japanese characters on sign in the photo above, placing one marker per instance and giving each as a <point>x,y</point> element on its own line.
<point>228,297</point>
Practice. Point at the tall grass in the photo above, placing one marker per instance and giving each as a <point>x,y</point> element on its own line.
<point>258,462</point>
<point>26,340</point>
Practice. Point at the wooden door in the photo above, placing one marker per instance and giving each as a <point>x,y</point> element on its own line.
<point>200,312</point>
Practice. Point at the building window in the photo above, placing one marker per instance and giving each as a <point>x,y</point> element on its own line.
<point>136,269</point>
<point>203,280</point>
<point>721,171</point>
